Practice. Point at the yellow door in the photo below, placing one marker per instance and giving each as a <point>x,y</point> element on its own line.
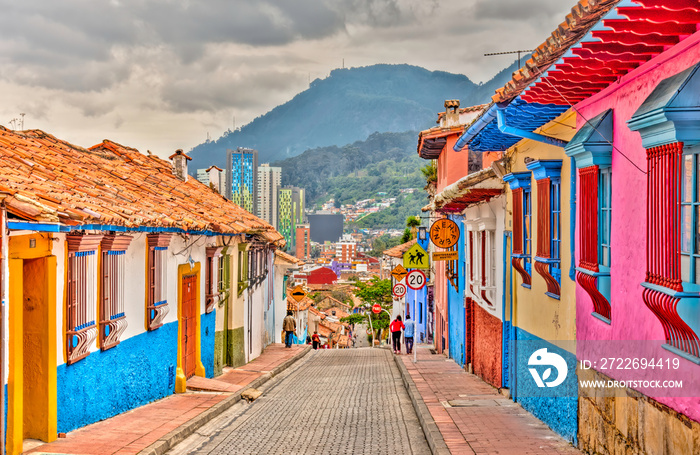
<point>32,342</point>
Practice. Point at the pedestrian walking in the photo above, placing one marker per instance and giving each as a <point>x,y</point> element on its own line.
<point>395,327</point>
<point>408,333</point>
<point>289,325</point>
<point>315,340</point>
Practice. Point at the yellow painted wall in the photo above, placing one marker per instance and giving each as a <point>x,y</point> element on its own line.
<point>536,312</point>
<point>32,405</point>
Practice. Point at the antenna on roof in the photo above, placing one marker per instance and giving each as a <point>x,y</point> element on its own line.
<point>510,52</point>
<point>22,121</point>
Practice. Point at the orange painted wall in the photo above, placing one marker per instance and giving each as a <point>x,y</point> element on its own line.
<point>452,166</point>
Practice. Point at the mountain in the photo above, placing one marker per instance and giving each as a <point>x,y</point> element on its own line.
<point>384,163</point>
<point>348,106</point>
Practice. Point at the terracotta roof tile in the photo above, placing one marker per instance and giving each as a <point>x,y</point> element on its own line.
<point>398,251</point>
<point>109,184</point>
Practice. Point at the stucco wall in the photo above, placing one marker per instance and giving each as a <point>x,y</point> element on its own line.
<point>457,324</point>
<point>452,165</point>
<point>630,318</point>
<point>487,346</point>
<point>140,370</point>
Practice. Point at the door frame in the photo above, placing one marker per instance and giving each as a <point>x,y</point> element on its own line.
<point>180,378</point>
<point>31,246</point>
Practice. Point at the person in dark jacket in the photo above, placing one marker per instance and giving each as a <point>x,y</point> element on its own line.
<point>395,327</point>
<point>289,325</point>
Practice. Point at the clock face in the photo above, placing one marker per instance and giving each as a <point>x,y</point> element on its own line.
<point>444,233</point>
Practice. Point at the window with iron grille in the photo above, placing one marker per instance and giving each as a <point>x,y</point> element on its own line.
<point>157,304</point>
<point>481,249</point>
<point>519,183</point>
<point>112,270</point>
<point>242,268</point>
<point>81,295</point>
<point>213,277</point>
<point>547,173</point>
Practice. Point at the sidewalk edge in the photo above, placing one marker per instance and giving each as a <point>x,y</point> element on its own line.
<point>179,434</point>
<point>430,429</point>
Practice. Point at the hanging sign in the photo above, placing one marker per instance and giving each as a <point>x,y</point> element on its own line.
<point>445,255</point>
<point>444,233</point>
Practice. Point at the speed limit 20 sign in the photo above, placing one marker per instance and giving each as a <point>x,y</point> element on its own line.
<point>399,290</point>
<point>415,279</point>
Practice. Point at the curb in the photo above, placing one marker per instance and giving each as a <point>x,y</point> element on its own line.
<point>179,434</point>
<point>432,433</point>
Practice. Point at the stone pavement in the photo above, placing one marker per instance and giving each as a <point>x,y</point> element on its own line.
<point>471,416</point>
<point>347,401</point>
<point>134,431</point>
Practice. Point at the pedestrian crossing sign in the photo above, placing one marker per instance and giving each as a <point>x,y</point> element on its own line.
<point>416,258</point>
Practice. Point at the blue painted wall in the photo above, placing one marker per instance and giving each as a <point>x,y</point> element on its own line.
<point>208,327</point>
<point>555,406</point>
<point>139,370</point>
<point>455,302</point>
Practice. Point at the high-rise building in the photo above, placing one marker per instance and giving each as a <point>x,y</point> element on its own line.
<point>290,213</point>
<point>269,183</point>
<point>303,242</point>
<point>203,176</point>
<point>241,178</point>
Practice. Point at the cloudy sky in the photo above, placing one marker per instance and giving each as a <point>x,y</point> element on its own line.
<point>162,74</point>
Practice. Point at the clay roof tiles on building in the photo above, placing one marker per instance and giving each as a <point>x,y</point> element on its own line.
<point>571,64</point>
<point>53,181</point>
<point>399,250</point>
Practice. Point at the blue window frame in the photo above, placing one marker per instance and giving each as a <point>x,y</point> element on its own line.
<point>604,216</point>
<point>555,227</point>
<point>527,229</point>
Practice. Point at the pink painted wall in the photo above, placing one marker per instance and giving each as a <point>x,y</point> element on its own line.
<point>631,319</point>
<point>452,166</point>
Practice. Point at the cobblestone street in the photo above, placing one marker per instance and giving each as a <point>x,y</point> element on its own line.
<point>331,401</point>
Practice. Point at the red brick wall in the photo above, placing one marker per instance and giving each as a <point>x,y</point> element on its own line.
<point>487,346</point>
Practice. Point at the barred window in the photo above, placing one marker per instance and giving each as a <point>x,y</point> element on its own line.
<point>157,304</point>
<point>112,314</point>
<point>81,295</point>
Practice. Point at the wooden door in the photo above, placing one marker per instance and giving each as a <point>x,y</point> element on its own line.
<point>189,324</point>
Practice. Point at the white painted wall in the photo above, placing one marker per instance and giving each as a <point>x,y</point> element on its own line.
<point>490,216</point>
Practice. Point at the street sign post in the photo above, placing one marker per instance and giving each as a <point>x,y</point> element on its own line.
<point>416,280</point>
<point>298,294</point>
<point>399,272</point>
<point>376,308</point>
<point>416,258</point>
<point>399,290</point>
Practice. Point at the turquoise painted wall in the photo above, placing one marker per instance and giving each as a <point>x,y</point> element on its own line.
<point>455,301</point>
<point>139,370</point>
<point>555,406</point>
<point>208,329</point>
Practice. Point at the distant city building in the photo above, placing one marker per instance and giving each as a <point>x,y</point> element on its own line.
<point>269,183</point>
<point>345,251</point>
<point>241,177</point>
<point>326,227</point>
<point>290,213</point>
<point>203,176</point>
<point>303,242</point>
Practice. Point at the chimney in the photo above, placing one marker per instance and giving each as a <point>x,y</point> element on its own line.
<point>179,160</point>
<point>451,113</point>
<point>214,173</point>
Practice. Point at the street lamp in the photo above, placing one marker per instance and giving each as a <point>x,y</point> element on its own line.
<point>422,232</point>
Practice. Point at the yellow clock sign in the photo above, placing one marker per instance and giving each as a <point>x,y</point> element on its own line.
<point>444,233</point>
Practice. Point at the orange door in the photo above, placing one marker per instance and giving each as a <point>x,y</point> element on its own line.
<point>189,313</point>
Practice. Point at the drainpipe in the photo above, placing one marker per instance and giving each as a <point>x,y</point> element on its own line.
<point>572,219</point>
<point>476,127</point>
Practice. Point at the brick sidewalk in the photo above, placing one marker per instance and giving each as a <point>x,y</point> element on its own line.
<point>133,431</point>
<point>479,420</point>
